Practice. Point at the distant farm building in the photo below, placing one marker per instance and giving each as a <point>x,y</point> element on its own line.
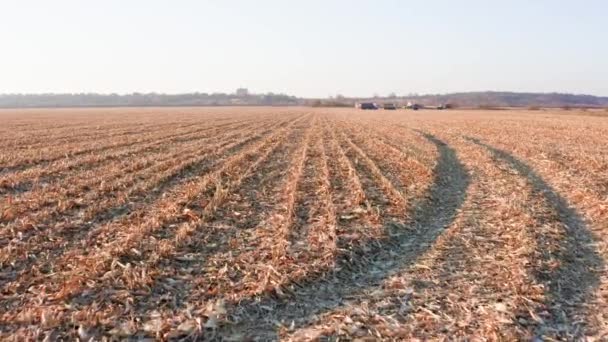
<point>242,92</point>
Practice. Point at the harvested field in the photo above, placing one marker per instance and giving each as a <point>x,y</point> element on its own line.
<point>303,224</point>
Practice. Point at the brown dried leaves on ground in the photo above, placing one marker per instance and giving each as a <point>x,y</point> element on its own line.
<point>302,224</point>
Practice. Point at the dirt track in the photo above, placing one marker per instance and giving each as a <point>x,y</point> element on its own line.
<point>300,223</point>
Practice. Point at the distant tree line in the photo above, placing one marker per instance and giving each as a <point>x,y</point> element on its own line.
<point>512,99</point>
<point>243,98</point>
<point>489,100</point>
<point>145,99</point>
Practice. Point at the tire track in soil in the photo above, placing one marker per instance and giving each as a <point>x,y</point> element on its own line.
<point>177,177</point>
<point>370,263</point>
<point>188,275</point>
<point>569,266</point>
<point>72,291</point>
<point>472,275</point>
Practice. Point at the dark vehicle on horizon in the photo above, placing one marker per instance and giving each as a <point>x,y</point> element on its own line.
<point>367,106</point>
<point>413,106</point>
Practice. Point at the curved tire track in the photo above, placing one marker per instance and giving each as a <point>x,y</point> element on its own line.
<point>571,284</point>
<point>370,264</point>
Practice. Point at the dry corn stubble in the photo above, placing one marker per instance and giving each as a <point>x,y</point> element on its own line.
<point>300,223</point>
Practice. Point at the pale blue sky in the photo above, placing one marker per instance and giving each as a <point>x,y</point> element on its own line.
<point>306,48</point>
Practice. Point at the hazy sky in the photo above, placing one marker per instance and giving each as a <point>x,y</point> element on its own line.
<point>305,48</point>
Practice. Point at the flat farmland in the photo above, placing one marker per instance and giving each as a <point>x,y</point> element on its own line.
<point>292,223</point>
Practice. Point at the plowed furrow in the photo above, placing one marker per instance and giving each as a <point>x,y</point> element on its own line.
<point>403,172</point>
<point>188,243</point>
<point>57,223</point>
<point>312,237</point>
<point>233,229</point>
<point>148,192</point>
<point>78,192</point>
<point>387,199</point>
<point>65,133</point>
<point>88,134</point>
<point>53,166</point>
<point>302,224</point>
<point>43,157</point>
<point>391,249</point>
<point>24,139</point>
<point>419,152</point>
<point>20,182</point>
<point>57,238</point>
<point>270,256</point>
<point>120,241</point>
<point>352,209</point>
